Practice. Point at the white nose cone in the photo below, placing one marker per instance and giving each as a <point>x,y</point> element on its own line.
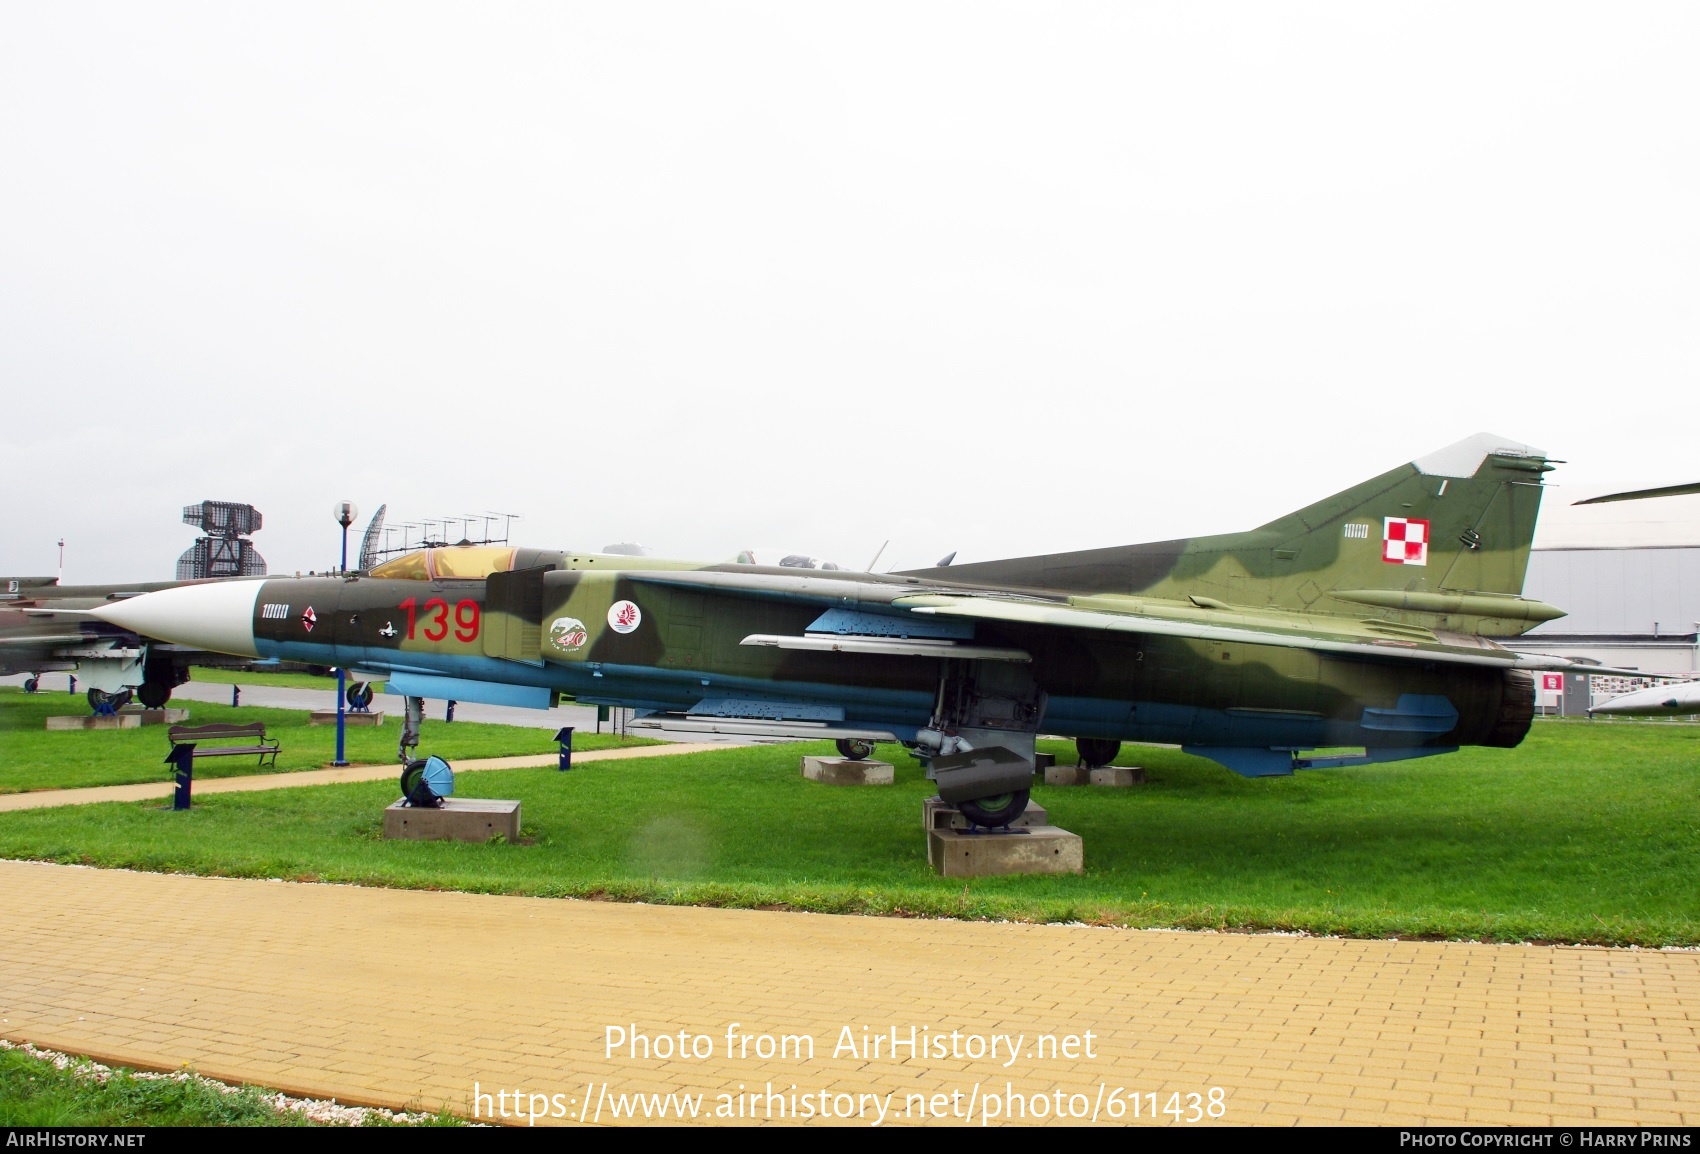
<point>217,616</point>
<point>1658,701</point>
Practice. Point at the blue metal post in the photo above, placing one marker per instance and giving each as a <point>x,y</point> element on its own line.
<point>183,758</point>
<point>565,737</point>
<point>341,673</point>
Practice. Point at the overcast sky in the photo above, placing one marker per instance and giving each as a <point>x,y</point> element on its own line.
<point>999,278</point>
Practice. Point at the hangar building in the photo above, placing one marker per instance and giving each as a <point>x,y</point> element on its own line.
<point>1628,574</point>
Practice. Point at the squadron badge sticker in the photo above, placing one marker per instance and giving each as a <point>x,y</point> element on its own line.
<point>623,617</point>
<point>568,634</point>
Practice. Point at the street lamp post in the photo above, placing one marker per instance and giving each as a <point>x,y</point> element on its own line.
<point>345,512</point>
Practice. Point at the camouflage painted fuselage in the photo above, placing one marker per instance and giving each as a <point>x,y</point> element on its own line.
<point>684,652</point>
<point>1356,622</point>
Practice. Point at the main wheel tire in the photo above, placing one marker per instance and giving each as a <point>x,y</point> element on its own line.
<point>1096,752</point>
<point>154,694</point>
<point>855,748</point>
<point>31,684</point>
<point>995,812</point>
<point>359,695</point>
<point>412,777</point>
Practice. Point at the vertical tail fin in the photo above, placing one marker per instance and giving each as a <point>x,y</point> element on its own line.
<point>1447,535</point>
<point>1442,541</point>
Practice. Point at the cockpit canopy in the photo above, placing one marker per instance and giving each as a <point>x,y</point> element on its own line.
<point>448,561</point>
<point>782,558</point>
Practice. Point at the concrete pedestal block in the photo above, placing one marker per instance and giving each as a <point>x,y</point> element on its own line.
<point>328,717</point>
<point>843,771</point>
<point>156,716</point>
<point>95,721</point>
<point>459,819</point>
<point>1119,776</point>
<point>1044,849</point>
<point>1067,775</point>
<point>936,813</point>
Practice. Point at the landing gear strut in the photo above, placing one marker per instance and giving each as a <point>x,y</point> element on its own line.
<point>411,719</point>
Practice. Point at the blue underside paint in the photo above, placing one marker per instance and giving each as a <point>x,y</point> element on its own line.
<point>765,708</point>
<point>1415,713</point>
<point>460,689</point>
<point>904,624</point>
<point>1248,761</point>
<point>1256,743</point>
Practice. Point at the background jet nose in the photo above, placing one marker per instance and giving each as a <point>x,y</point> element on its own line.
<point>217,616</point>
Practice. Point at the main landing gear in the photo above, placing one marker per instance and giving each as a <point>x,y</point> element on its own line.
<point>979,746</point>
<point>1097,752</point>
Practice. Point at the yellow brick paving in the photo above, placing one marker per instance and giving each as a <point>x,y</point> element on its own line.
<point>402,998</point>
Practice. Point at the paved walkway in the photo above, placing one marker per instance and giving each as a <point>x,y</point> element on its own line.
<point>49,798</point>
<point>423,999</point>
<point>581,717</point>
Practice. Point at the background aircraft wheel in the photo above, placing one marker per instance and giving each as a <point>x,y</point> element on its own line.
<point>154,694</point>
<point>855,748</point>
<point>31,684</point>
<point>993,812</point>
<point>1096,752</point>
<point>97,698</point>
<point>359,695</point>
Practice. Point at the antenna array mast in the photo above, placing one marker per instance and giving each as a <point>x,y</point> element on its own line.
<point>435,533</point>
<point>226,550</point>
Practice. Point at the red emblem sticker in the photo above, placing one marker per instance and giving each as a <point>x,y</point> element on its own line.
<point>309,619</point>
<point>1404,541</point>
<point>624,616</point>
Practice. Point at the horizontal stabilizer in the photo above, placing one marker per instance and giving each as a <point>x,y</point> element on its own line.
<point>1275,761</point>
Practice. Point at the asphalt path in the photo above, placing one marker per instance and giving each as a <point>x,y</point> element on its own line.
<point>581,717</point>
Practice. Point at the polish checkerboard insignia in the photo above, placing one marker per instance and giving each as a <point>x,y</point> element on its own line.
<point>1404,541</point>
<point>309,619</point>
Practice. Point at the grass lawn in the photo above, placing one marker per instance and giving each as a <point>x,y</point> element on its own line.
<point>209,675</point>
<point>33,758</point>
<point>1586,833</point>
<point>44,1091</point>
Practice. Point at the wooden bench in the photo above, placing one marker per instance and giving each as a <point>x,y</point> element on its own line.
<point>252,735</point>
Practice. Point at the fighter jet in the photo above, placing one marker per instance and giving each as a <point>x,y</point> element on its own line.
<point>1657,701</point>
<point>45,627</point>
<point>1362,622</point>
